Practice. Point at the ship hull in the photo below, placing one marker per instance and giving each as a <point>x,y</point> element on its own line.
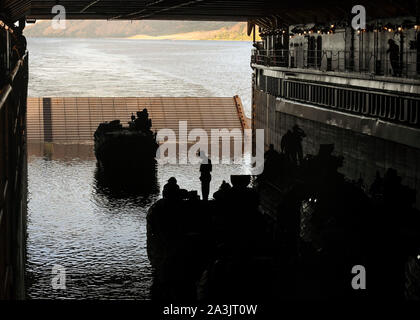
<point>364,153</point>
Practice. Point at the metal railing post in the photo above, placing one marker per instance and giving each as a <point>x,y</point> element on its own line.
<point>337,61</point>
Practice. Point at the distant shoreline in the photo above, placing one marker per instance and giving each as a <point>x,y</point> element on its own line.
<point>181,39</point>
<point>150,30</point>
<point>151,38</point>
<point>194,36</point>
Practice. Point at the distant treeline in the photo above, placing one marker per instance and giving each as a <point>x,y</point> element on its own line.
<point>191,30</point>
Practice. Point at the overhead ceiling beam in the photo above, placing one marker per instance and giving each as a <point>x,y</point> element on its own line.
<point>147,5</point>
<point>288,11</point>
<point>89,5</point>
<point>184,4</point>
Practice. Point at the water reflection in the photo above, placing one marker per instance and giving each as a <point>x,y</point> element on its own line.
<point>78,219</point>
<point>81,220</point>
<point>117,187</point>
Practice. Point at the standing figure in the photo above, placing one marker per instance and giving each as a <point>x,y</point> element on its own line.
<point>139,122</point>
<point>296,145</point>
<point>205,175</point>
<point>19,42</point>
<point>143,123</point>
<point>286,142</point>
<point>394,57</point>
<point>148,121</point>
<point>377,187</point>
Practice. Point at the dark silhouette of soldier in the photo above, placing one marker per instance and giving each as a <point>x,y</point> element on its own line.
<point>133,117</point>
<point>139,123</point>
<point>143,123</point>
<point>295,146</point>
<point>394,57</point>
<point>223,191</point>
<point>271,152</point>
<point>149,124</point>
<point>19,41</point>
<point>147,120</point>
<point>377,187</point>
<point>171,190</point>
<point>19,44</point>
<point>205,177</point>
<point>271,163</point>
<point>286,143</point>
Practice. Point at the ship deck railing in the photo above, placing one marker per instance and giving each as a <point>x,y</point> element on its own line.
<point>363,62</point>
<point>401,108</point>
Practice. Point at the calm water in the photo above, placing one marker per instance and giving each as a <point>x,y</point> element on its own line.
<point>98,236</point>
<point>140,68</point>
